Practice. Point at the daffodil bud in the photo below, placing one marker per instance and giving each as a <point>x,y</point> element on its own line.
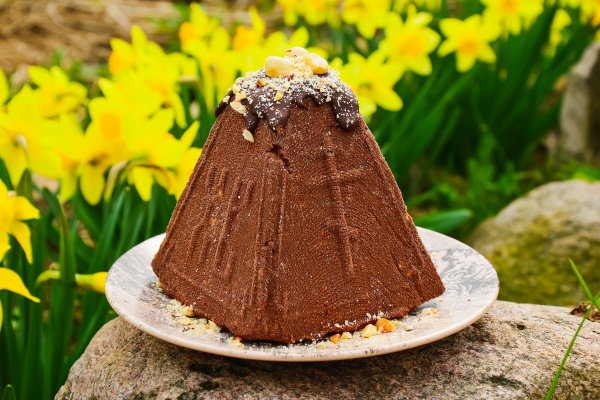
<point>95,282</point>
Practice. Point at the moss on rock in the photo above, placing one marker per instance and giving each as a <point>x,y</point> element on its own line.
<point>530,242</point>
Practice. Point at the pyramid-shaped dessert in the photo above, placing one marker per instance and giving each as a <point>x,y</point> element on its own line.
<point>292,226</point>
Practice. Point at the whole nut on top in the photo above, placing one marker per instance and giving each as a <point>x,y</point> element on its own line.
<point>317,64</point>
<point>277,66</point>
<point>296,51</point>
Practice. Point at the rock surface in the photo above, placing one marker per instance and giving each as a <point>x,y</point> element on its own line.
<point>511,353</point>
<point>580,114</point>
<point>530,242</point>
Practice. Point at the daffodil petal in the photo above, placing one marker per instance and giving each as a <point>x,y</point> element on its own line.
<point>92,183</point>
<point>44,161</point>
<point>21,232</point>
<point>449,26</point>
<point>4,247</point>
<point>190,134</point>
<point>10,280</point>
<point>446,48</point>
<point>421,65</point>
<point>40,76</point>
<point>143,181</point>
<point>3,191</point>
<point>486,54</point>
<point>68,187</point>
<point>300,37</point>
<point>22,209</point>
<point>389,100</point>
<point>15,161</point>
<point>367,108</point>
<point>464,63</point>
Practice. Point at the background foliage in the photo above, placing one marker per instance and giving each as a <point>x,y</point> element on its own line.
<point>459,94</point>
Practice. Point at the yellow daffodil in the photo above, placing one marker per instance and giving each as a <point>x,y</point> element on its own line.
<point>314,12</point>
<point>10,280</point>
<point>470,39</point>
<point>246,38</point>
<point>27,139</point>
<point>147,62</point>
<point>513,15</point>
<point>129,94</point>
<point>373,81</point>
<point>156,151</point>
<point>13,211</point>
<point>367,15</point>
<point>56,94</point>
<point>199,27</point>
<point>590,10</point>
<point>218,65</point>
<point>4,91</point>
<point>560,22</point>
<point>127,56</point>
<point>410,43</point>
<point>102,146</point>
<point>72,152</point>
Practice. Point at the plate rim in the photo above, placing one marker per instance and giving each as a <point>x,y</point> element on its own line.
<point>323,355</point>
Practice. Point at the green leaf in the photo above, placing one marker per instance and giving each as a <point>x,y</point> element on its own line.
<point>445,221</point>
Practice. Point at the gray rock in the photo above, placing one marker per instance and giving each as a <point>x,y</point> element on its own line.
<point>530,242</point>
<point>580,114</point>
<point>511,353</point>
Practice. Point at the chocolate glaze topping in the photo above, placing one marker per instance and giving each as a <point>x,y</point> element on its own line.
<point>257,93</point>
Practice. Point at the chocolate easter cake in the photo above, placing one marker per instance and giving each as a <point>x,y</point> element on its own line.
<point>292,226</point>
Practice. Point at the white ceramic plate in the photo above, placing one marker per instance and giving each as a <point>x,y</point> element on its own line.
<point>471,288</point>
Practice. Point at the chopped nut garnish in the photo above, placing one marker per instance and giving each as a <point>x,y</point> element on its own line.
<point>239,107</point>
<point>158,283</point>
<point>248,135</point>
<point>428,311</point>
<point>317,64</point>
<point>213,326</point>
<point>408,328</point>
<point>278,66</point>
<point>346,336</point>
<point>384,325</point>
<point>335,338</point>
<point>278,96</point>
<point>226,99</point>
<point>187,311</point>
<point>240,96</point>
<point>261,82</point>
<point>236,342</point>
<point>296,51</point>
<point>369,331</point>
<point>321,345</point>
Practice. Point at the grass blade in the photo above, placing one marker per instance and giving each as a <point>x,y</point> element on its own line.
<point>585,286</point>
<point>550,393</point>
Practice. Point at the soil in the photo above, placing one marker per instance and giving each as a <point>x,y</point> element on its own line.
<point>32,31</point>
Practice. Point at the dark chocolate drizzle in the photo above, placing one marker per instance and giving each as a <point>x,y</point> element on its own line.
<point>260,103</point>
